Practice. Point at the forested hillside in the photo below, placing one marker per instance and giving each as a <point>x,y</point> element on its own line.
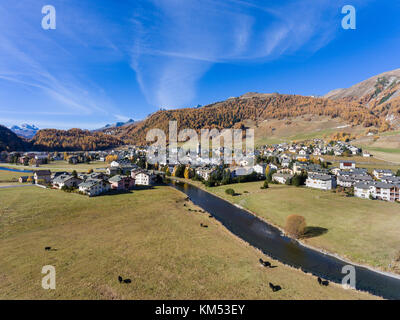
<point>73,139</point>
<point>9,141</point>
<point>252,106</point>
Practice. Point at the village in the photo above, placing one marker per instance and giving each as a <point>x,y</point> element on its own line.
<point>120,175</point>
<point>301,163</point>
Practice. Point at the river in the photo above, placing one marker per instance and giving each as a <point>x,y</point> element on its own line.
<point>14,170</point>
<point>272,242</point>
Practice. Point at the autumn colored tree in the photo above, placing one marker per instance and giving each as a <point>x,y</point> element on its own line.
<point>111,157</point>
<point>187,173</point>
<point>295,225</point>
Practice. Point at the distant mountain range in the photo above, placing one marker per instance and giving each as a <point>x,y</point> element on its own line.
<point>116,125</point>
<point>25,130</point>
<point>373,103</point>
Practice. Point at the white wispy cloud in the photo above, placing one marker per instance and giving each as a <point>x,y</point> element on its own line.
<point>170,45</point>
<point>32,59</point>
<point>177,41</point>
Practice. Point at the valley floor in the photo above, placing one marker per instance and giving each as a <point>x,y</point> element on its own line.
<point>149,236</point>
<point>362,231</point>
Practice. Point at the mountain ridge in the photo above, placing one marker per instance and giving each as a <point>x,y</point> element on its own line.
<point>374,102</point>
<point>9,141</point>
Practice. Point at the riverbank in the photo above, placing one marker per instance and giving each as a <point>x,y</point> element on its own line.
<point>151,236</point>
<point>369,252</point>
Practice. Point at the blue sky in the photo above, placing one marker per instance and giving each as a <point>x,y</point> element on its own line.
<point>111,60</point>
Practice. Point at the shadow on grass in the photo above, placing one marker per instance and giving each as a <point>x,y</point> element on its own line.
<point>312,232</point>
<point>114,192</point>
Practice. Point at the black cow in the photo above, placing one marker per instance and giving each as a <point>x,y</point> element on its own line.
<point>265,263</point>
<point>323,282</point>
<point>274,288</point>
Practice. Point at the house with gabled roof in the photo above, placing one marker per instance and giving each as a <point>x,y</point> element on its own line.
<point>43,176</point>
<point>66,180</point>
<point>94,187</point>
<point>120,182</point>
<point>321,181</point>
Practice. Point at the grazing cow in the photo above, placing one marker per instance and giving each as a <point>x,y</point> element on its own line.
<point>323,282</point>
<point>47,248</point>
<point>265,263</point>
<point>274,288</point>
<point>203,225</point>
<point>120,279</point>
<point>127,281</point>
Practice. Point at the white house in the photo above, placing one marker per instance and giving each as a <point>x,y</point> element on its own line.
<point>205,172</point>
<point>363,190</point>
<point>144,179</point>
<point>303,152</point>
<point>241,171</point>
<point>285,163</point>
<point>380,173</point>
<point>260,168</point>
<point>321,181</point>
<point>94,187</point>
<point>347,164</point>
<point>66,180</point>
<point>378,190</point>
<point>281,177</point>
<point>114,164</point>
<point>386,191</point>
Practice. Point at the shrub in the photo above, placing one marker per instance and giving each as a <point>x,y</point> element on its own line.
<point>371,197</point>
<point>397,256</point>
<point>295,225</point>
<point>230,192</point>
<point>265,185</point>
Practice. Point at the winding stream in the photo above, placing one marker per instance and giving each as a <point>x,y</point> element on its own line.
<point>273,243</point>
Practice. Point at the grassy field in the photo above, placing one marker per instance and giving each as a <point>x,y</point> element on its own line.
<point>385,146</point>
<point>363,231</point>
<point>361,162</point>
<point>9,176</point>
<point>61,165</point>
<point>301,128</point>
<point>149,236</point>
